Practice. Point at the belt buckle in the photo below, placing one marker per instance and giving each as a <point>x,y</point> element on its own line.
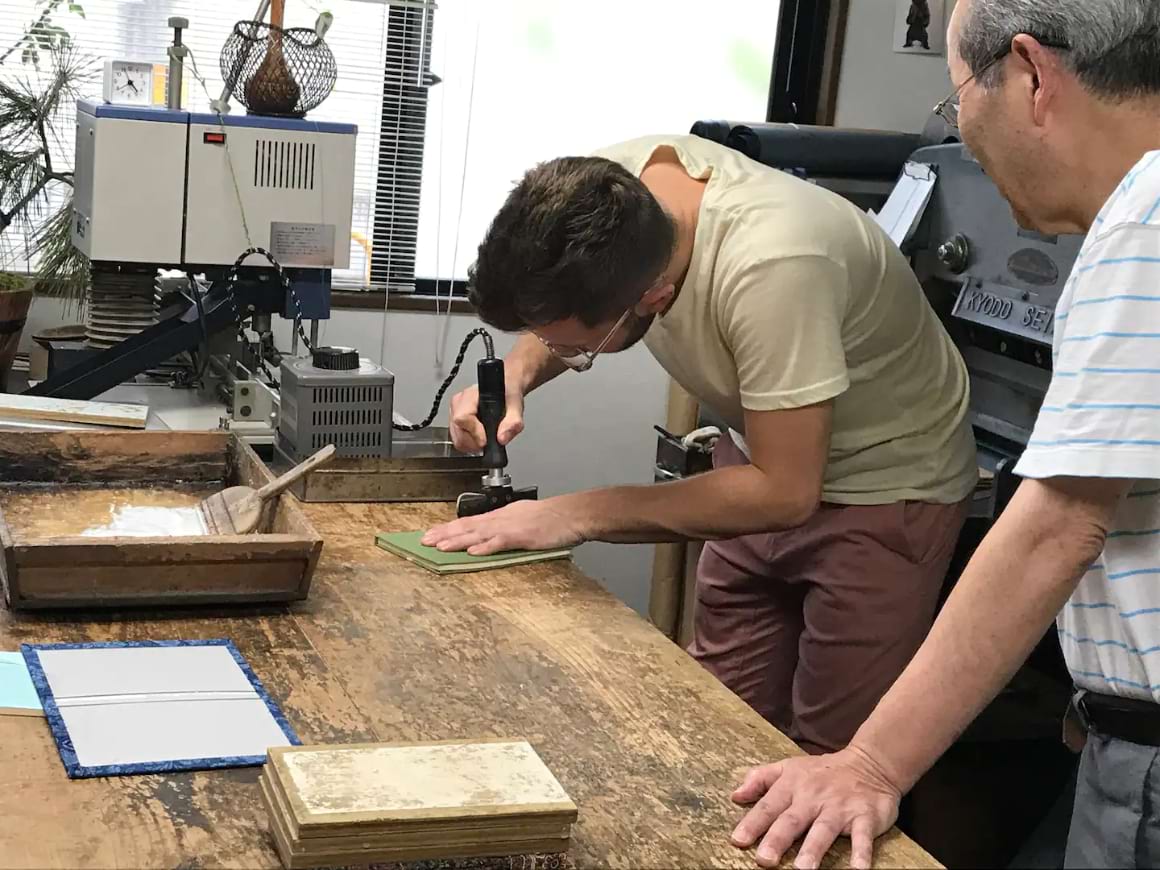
<point>1079,702</point>
<point>1076,724</point>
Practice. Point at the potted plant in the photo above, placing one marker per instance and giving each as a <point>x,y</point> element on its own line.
<point>35,192</point>
<point>15,300</point>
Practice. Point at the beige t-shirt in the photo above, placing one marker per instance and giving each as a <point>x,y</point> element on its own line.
<point>795,297</point>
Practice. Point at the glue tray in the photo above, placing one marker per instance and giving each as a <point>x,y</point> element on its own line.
<point>423,466</point>
<point>52,485</point>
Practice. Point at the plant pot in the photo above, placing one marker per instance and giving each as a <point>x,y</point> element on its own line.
<point>14,305</point>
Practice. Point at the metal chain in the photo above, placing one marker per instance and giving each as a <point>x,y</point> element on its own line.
<point>489,347</point>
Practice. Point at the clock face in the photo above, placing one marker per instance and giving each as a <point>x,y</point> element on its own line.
<point>129,83</point>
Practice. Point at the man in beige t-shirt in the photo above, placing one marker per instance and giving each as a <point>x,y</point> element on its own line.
<point>837,498</point>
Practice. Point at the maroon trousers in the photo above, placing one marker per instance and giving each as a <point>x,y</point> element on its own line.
<point>811,626</point>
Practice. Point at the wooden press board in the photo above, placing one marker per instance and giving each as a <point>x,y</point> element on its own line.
<point>73,411</point>
<point>340,789</point>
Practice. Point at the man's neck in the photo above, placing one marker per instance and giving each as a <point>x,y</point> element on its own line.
<point>1122,135</point>
<point>680,196</point>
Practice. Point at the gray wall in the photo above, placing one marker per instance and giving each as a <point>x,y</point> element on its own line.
<point>583,430</point>
<point>880,89</point>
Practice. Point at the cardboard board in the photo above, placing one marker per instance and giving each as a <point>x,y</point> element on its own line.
<point>406,544</point>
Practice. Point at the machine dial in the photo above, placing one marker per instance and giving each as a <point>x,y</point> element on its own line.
<point>336,359</point>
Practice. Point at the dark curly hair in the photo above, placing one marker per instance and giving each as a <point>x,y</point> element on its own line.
<point>579,237</point>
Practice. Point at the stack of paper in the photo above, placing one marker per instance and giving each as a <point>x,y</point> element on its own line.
<point>380,802</point>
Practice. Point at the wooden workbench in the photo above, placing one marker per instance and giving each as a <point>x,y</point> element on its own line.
<point>646,742</point>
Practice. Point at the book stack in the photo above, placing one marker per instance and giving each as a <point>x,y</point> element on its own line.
<point>397,802</point>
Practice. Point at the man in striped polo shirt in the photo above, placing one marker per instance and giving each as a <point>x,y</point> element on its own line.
<point>1060,102</point>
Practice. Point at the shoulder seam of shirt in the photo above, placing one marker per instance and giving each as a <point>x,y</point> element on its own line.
<point>1110,225</point>
<point>1123,225</point>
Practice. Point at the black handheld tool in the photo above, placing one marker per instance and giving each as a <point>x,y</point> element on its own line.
<point>497,485</point>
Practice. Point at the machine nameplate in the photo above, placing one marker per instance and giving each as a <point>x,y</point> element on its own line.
<point>302,244</point>
<point>1006,314</point>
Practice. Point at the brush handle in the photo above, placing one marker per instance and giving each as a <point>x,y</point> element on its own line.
<point>277,12</point>
<point>282,483</point>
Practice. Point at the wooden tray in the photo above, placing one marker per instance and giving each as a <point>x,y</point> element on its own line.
<point>422,467</point>
<point>40,571</point>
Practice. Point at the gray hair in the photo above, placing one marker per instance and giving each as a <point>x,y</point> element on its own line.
<point>1114,45</point>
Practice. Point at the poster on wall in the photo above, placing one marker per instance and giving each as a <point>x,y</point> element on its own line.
<point>920,26</point>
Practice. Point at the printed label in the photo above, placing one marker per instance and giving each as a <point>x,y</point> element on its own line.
<point>300,244</point>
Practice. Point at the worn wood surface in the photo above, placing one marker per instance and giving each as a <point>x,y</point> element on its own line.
<point>643,740</point>
<point>104,457</point>
<point>22,407</point>
<point>48,563</point>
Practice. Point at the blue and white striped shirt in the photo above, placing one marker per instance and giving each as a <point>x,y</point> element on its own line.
<point>1101,418</point>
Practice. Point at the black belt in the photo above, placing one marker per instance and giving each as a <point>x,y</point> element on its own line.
<point>1120,718</point>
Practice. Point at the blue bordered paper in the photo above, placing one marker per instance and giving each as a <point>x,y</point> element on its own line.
<point>64,741</point>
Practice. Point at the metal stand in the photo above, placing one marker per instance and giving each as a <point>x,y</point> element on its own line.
<point>177,54</point>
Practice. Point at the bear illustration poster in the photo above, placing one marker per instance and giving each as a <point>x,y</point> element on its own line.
<point>920,26</point>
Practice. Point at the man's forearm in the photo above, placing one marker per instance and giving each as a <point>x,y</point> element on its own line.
<point>717,505</point>
<point>530,364</point>
<point>1017,582</point>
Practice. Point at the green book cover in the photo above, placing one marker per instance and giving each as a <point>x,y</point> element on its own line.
<point>406,544</point>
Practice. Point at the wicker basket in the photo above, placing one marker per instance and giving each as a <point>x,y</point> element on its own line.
<point>271,71</point>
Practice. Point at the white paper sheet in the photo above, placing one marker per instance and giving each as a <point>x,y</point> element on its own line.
<point>74,673</point>
<point>904,209</point>
<point>152,705</point>
<point>145,732</point>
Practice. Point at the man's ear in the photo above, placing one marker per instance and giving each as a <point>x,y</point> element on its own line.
<point>656,300</point>
<point>1046,74</point>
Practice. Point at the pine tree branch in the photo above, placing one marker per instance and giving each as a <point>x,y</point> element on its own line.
<point>36,25</point>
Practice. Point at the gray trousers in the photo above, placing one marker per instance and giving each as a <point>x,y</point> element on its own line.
<point>1116,820</point>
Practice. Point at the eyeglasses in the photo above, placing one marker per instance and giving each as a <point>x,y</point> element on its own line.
<point>577,358</point>
<point>948,109</point>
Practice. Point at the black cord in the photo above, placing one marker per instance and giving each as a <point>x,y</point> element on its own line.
<point>489,348</point>
<point>286,285</point>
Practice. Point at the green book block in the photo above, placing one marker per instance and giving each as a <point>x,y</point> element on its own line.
<point>406,544</point>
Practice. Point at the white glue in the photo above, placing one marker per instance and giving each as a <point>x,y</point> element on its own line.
<point>136,521</point>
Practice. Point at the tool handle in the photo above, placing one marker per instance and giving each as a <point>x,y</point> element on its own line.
<point>282,483</point>
<point>492,410</point>
<point>277,12</point>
